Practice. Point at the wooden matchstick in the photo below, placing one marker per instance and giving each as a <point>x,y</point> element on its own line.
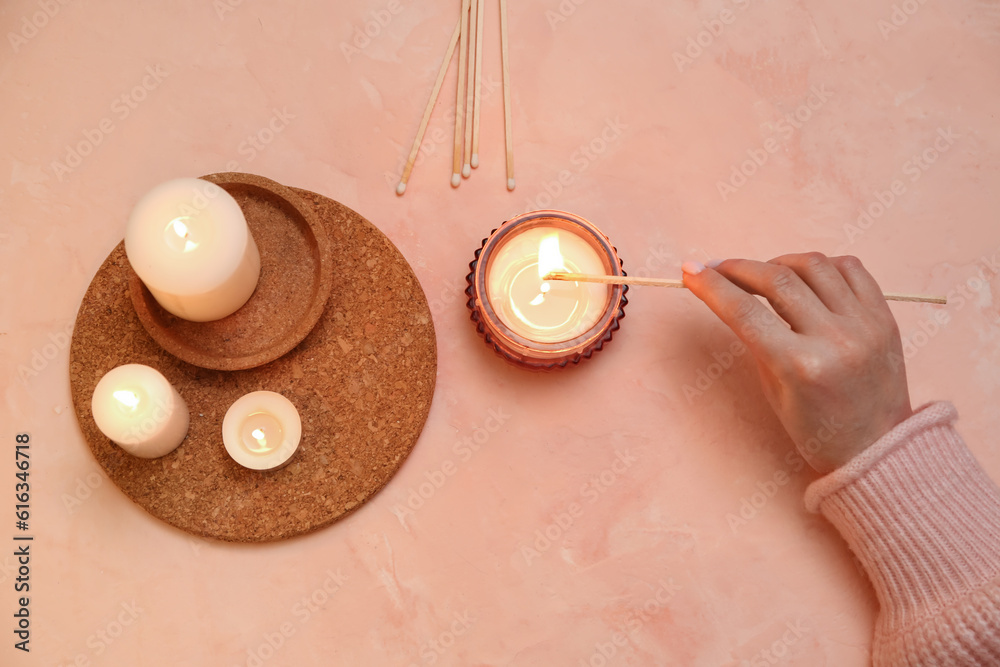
<point>408,169</point>
<point>613,280</point>
<point>505,57</point>
<point>471,89</point>
<point>477,100</point>
<point>918,298</point>
<point>463,57</point>
<point>669,282</point>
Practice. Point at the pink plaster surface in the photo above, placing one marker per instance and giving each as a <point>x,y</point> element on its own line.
<point>635,477</point>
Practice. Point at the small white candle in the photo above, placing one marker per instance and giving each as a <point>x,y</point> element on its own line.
<point>262,430</point>
<point>188,241</point>
<point>139,410</point>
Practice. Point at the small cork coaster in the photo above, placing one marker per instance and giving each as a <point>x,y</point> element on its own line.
<point>362,382</point>
<point>295,271</point>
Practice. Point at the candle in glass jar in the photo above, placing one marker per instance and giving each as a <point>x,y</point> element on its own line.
<point>139,410</point>
<point>188,242</point>
<point>546,311</point>
<point>261,430</point>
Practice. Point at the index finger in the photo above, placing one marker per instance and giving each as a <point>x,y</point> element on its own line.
<point>764,333</point>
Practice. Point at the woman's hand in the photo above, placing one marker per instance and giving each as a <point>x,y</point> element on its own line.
<point>830,361</point>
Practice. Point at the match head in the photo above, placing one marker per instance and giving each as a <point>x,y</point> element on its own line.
<point>475,160</point>
<point>466,171</point>
<point>510,183</point>
<point>400,189</point>
<point>456,180</point>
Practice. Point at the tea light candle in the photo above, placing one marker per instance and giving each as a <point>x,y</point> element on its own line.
<point>545,324</point>
<point>262,430</point>
<point>540,310</point>
<point>140,411</point>
<point>188,242</point>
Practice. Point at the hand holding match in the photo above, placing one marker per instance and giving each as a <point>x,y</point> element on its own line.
<point>670,282</point>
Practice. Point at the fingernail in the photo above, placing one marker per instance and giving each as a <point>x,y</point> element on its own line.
<point>692,268</point>
<point>712,263</point>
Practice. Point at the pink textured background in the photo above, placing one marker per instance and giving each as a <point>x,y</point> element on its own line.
<point>639,147</point>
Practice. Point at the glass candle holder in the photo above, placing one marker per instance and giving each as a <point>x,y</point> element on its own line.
<point>540,324</point>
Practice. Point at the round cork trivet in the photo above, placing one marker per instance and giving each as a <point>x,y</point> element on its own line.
<point>295,271</point>
<point>362,382</point>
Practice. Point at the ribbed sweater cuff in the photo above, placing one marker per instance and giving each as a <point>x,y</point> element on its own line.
<point>920,514</point>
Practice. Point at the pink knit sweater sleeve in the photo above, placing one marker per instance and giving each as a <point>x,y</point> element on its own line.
<point>924,520</point>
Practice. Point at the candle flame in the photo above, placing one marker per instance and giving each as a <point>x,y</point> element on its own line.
<point>128,399</point>
<point>180,228</point>
<point>550,258</point>
<point>260,437</point>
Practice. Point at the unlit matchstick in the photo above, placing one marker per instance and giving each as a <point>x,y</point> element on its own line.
<point>470,88</point>
<point>669,282</point>
<point>477,102</point>
<point>505,57</point>
<point>463,58</point>
<point>408,169</point>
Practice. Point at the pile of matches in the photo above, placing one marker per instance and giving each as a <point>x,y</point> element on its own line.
<point>468,37</point>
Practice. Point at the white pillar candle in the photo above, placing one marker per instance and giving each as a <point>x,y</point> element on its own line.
<point>262,430</point>
<point>139,410</point>
<point>188,241</point>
